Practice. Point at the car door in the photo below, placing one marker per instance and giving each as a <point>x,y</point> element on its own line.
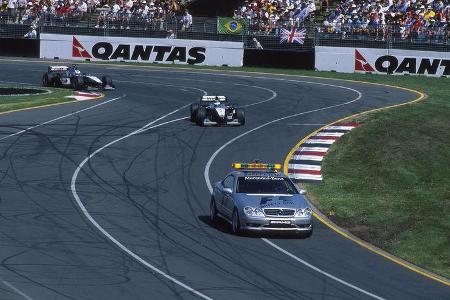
<point>227,200</point>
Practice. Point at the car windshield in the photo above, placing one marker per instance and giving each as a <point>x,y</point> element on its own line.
<point>264,185</point>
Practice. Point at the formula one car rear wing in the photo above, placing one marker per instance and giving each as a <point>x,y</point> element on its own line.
<point>57,68</point>
<point>214,98</point>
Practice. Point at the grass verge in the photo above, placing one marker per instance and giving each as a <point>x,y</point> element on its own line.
<point>388,182</point>
<point>11,103</point>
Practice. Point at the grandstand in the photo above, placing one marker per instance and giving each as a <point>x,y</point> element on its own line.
<point>422,24</point>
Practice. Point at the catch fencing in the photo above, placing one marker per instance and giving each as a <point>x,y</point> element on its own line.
<point>256,34</point>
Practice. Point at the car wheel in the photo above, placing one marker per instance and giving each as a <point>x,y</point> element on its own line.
<point>201,116</point>
<point>107,81</point>
<point>45,81</point>
<point>194,107</point>
<point>235,223</point>
<point>77,83</point>
<point>240,116</point>
<point>212,210</point>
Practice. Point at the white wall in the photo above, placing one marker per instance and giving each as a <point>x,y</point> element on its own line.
<point>198,52</point>
<point>380,61</point>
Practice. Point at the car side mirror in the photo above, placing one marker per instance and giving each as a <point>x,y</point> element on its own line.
<point>227,190</point>
<point>302,192</point>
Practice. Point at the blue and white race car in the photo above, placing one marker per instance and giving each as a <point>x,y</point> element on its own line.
<point>216,110</point>
<point>71,77</point>
<point>256,197</point>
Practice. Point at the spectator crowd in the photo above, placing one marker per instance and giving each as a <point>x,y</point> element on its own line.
<point>117,14</point>
<point>271,15</point>
<point>418,20</point>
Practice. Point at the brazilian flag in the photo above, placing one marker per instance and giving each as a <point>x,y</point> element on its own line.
<point>230,25</point>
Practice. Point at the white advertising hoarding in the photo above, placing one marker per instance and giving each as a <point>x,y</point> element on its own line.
<point>382,61</point>
<point>146,50</point>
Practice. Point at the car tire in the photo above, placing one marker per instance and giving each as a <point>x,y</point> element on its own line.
<point>107,81</point>
<point>45,80</point>
<point>213,211</point>
<point>240,114</point>
<point>201,116</point>
<point>194,108</point>
<point>77,83</point>
<point>235,223</point>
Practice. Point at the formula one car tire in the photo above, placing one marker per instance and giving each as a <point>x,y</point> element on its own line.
<point>77,83</point>
<point>240,116</point>
<point>45,80</point>
<point>107,81</point>
<point>201,116</point>
<point>194,108</point>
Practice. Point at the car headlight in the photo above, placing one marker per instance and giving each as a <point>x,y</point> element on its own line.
<point>305,212</point>
<point>251,211</point>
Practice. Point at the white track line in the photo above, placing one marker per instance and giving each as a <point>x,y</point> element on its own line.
<point>61,117</point>
<point>83,209</point>
<point>16,290</point>
<point>213,156</point>
<point>274,94</point>
<point>106,233</point>
<point>320,271</point>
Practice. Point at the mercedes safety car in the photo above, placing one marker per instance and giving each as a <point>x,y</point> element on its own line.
<point>257,197</point>
<point>216,110</point>
<point>71,77</point>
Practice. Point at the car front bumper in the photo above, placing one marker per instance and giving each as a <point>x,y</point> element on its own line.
<point>294,224</point>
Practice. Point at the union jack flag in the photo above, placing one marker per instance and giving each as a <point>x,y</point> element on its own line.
<point>293,36</point>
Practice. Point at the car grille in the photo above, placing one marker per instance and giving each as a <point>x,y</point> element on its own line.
<point>279,212</point>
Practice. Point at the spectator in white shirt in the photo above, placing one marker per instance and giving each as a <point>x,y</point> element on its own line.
<point>186,21</point>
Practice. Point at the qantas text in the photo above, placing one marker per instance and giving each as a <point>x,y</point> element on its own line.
<point>106,51</point>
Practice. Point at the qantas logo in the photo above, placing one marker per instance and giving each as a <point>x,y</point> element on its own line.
<point>78,50</point>
<point>136,52</point>
<point>390,64</point>
<point>361,63</point>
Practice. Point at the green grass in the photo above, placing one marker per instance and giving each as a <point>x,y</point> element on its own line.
<point>388,182</point>
<point>10,103</point>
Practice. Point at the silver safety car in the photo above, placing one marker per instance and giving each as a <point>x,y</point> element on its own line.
<point>257,197</point>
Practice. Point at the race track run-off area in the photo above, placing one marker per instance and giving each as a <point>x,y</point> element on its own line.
<point>109,198</point>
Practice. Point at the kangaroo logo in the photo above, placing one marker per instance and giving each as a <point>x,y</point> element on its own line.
<point>361,63</point>
<point>78,50</point>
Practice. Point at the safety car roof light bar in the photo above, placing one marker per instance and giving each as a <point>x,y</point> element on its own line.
<point>257,166</point>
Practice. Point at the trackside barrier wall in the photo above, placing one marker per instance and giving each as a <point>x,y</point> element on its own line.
<point>145,50</point>
<point>19,47</point>
<point>279,59</point>
<point>382,61</point>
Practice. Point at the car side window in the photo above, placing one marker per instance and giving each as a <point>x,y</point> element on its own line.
<point>228,182</point>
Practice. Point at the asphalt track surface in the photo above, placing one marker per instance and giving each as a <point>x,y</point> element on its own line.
<point>95,205</point>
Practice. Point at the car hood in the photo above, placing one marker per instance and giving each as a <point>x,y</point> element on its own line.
<point>272,201</point>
